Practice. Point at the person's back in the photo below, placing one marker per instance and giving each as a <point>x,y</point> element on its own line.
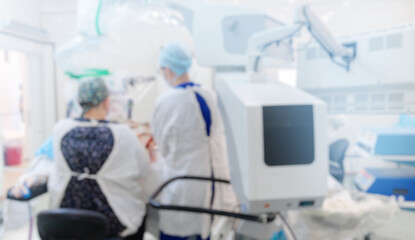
<point>183,124</point>
<point>99,165</point>
<point>189,134</point>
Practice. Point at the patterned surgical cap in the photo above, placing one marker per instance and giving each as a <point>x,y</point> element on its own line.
<point>91,93</point>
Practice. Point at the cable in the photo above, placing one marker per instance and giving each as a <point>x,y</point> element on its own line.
<point>236,219</point>
<point>258,58</point>
<point>287,225</point>
<point>30,220</point>
<point>340,64</point>
<point>97,17</point>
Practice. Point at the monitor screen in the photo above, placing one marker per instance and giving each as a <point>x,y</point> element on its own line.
<point>288,135</point>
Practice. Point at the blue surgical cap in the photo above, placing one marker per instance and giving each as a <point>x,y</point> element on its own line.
<point>177,57</point>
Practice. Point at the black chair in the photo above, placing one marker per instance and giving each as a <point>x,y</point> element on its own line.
<point>68,223</point>
<point>337,151</point>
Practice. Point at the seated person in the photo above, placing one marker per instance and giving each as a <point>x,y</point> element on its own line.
<point>100,166</point>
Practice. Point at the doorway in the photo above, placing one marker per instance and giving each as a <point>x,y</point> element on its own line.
<point>13,122</point>
<point>28,105</point>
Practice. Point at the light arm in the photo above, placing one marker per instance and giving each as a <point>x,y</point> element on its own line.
<point>320,32</point>
<point>305,18</point>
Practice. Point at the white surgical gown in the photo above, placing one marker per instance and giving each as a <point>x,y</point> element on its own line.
<point>180,133</point>
<point>125,177</point>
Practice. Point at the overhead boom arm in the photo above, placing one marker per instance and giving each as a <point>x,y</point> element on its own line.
<point>340,54</point>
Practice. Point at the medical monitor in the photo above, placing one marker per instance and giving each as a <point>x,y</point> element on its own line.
<point>277,148</point>
<point>288,135</point>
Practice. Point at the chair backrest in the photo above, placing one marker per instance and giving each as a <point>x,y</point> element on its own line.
<point>74,224</point>
<point>337,150</point>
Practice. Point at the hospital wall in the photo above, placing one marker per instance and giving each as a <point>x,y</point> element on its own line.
<point>341,17</point>
<point>25,11</point>
<point>59,19</point>
<point>348,18</point>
